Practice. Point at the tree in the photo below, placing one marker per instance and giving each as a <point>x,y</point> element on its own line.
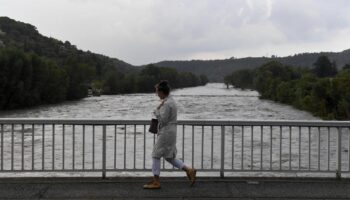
<point>347,66</point>
<point>341,85</point>
<point>80,77</point>
<point>323,67</point>
<point>203,79</point>
<point>27,79</point>
<point>286,92</point>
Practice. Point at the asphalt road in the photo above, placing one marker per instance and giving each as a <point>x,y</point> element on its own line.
<point>174,188</point>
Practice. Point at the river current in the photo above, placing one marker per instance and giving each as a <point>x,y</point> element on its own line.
<point>212,101</point>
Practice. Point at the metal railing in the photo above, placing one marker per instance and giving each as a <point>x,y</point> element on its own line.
<point>89,145</point>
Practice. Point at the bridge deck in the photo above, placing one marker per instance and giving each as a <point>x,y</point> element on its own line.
<point>174,188</point>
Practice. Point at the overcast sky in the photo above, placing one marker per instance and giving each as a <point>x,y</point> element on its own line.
<point>146,31</point>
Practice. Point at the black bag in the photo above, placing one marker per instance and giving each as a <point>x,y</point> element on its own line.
<point>153,128</point>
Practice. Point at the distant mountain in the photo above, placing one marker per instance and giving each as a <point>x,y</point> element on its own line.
<point>26,37</point>
<point>215,70</point>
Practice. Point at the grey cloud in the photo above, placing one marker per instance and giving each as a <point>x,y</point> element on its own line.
<point>147,31</point>
<point>307,21</point>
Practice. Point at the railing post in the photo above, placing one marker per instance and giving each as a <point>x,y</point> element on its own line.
<point>104,151</point>
<point>338,174</point>
<point>222,151</point>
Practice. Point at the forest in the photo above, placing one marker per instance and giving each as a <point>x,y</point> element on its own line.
<point>216,70</point>
<point>321,89</point>
<point>27,79</point>
<point>36,70</point>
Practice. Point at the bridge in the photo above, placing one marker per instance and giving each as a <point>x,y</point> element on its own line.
<point>234,159</point>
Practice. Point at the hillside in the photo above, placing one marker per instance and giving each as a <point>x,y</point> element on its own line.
<point>36,70</point>
<point>215,70</point>
<point>26,37</point>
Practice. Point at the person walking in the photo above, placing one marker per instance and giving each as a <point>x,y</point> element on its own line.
<point>165,145</point>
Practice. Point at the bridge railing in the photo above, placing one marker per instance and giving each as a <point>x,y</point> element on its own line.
<point>92,145</point>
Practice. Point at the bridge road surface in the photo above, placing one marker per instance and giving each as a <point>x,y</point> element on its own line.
<point>174,188</point>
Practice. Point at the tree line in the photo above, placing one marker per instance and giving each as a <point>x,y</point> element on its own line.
<point>35,70</point>
<point>321,89</point>
<point>147,78</point>
<point>27,79</point>
<point>216,70</point>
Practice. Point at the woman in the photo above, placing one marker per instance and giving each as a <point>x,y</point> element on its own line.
<point>165,145</point>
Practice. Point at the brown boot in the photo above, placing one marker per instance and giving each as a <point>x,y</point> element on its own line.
<point>191,174</point>
<point>154,184</point>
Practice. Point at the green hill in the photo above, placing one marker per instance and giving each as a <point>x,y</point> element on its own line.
<point>35,70</point>
<point>26,37</point>
<point>215,70</point>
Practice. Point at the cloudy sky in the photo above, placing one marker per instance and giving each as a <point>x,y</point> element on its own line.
<point>146,31</point>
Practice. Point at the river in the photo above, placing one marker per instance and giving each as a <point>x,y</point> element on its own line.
<point>212,101</point>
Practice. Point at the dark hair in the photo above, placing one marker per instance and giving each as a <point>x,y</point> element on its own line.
<point>164,87</point>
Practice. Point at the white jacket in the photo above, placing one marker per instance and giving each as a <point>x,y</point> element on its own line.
<point>165,145</point>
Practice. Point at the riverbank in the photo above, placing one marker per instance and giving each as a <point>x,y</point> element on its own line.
<point>323,92</point>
